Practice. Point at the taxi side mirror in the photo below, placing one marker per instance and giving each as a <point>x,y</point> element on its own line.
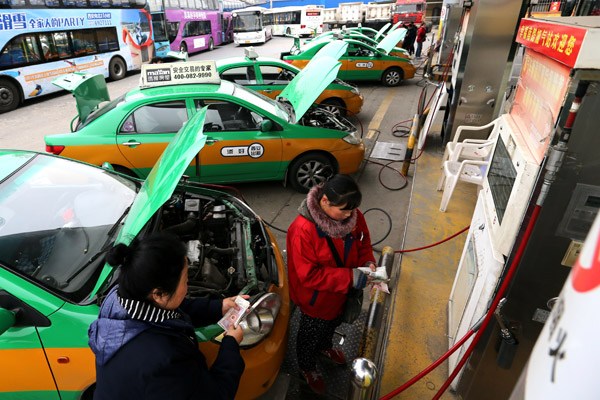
<point>7,320</point>
<point>266,125</point>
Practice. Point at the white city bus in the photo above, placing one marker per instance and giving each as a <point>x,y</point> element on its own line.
<point>297,21</point>
<point>249,26</point>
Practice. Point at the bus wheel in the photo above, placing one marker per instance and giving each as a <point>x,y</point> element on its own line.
<point>211,45</point>
<point>288,31</point>
<point>183,47</point>
<point>116,69</point>
<point>10,96</point>
<point>392,77</point>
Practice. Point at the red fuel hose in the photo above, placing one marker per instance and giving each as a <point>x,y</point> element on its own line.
<point>490,314</point>
<point>430,368</point>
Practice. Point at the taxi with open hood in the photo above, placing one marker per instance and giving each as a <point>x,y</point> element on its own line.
<point>58,218</point>
<point>361,61</point>
<point>270,76</point>
<point>367,35</point>
<point>250,137</point>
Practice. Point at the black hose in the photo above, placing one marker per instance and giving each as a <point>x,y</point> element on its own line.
<point>389,226</point>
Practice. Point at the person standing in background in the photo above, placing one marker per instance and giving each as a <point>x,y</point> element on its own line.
<point>421,36</point>
<point>329,221</point>
<point>408,43</point>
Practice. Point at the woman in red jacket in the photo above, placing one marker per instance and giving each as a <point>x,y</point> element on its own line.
<point>318,286</point>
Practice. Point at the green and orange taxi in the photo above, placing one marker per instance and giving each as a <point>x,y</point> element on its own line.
<point>58,217</point>
<point>361,61</point>
<point>270,76</point>
<point>250,136</point>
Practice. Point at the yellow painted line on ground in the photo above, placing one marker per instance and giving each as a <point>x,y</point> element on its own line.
<point>376,121</point>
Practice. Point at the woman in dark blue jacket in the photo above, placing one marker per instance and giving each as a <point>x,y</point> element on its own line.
<point>144,338</point>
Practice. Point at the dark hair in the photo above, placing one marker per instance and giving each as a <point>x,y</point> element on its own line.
<point>342,190</point>
<point>154,262</point>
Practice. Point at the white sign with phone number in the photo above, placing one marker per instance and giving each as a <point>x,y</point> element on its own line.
<point>179,73</point>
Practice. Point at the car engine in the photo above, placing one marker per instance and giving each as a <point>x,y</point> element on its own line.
<point>228,248</point>
<point>320,118</point>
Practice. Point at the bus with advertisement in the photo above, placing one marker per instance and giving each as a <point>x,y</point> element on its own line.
<point>159,28</point>
<point>295,20</point>
<point>249,26</point>
<point>196,25</point>
<point>43,39</point>
<point>409,11</point>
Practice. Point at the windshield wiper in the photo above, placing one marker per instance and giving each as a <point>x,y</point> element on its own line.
<point>116,225</point>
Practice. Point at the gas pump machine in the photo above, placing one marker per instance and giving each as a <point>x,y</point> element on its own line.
<point>535,163</point>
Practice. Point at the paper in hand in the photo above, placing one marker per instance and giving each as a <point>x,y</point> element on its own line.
<point>234,316</point>
<point>379,275</point>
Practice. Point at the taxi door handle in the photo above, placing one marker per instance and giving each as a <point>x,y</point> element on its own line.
<point>131,143</point>
<point>268,91</point>
<point>211,141</point>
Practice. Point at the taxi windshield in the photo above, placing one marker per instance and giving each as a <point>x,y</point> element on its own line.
<point>58,217</point>
<point>263,102</point>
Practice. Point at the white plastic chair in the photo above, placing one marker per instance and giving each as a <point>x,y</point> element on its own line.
<point>470,149</point>
<point>471,171</point>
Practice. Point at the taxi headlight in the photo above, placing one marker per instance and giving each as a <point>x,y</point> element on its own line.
<point>260,319</point>
<point>351,138</point>
<point>354,90</point>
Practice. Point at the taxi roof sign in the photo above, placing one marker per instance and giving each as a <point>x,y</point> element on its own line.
<point>179,73</point>
<point>250,53</point>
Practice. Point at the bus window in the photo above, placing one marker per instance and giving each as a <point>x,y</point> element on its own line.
<point>84,42</point>
<point>196,28</point>
<point>172,30</point>
<point>21,50</point>
<point>107,39</point>
<point>62,45</point>
<point>48,47</point>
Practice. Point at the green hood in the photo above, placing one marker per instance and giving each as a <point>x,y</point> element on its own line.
<point>308,85</point>
<point>391,40</point>
<point>89,90</point>
<point>381,31</point>
<point>164,177</point>
<point>161,182</point>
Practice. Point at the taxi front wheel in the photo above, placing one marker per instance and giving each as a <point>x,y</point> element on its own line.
<point>310,170</point>
<point>392,77</point>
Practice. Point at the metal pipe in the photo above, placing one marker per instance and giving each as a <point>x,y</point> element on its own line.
<point>370,336</point>
<point>364,375</point>
<point>412,139</point>
<point>557,152</point>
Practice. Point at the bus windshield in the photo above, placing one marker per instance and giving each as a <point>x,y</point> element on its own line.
<point>159,28</point>
<point>247,22</point>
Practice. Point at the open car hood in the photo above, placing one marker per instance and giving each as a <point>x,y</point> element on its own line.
<point>88,89</point>
<point>391,40</point>
<point>381,31</point>
<point>160,183</point>
<point>164,177</point>
<point>308,85</point>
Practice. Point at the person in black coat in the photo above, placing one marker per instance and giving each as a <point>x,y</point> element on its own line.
<point>144,338</point>
<point>409,39</point>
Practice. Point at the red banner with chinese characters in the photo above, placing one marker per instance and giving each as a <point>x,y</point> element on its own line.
<point>540,95</point>
<point>560,42</point>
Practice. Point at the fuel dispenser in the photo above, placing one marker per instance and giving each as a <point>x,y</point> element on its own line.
<point>544,162</point>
